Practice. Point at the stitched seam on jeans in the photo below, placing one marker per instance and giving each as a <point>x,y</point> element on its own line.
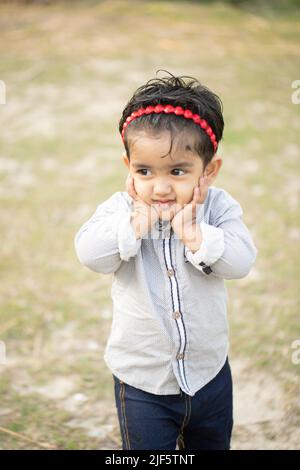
<point>190,412</point>
<point>123,416</point>
<point>180,437</point>
<point>185,414</point>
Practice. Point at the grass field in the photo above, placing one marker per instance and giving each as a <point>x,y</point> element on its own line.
<point>69,72</point>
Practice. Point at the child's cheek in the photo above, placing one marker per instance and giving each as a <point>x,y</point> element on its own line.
<point>187,197</point>
<point>186,192</point>
<point>140,187</point>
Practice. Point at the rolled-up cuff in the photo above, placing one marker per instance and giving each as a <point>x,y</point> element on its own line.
<point>211,249</point>
<point>127,243</point>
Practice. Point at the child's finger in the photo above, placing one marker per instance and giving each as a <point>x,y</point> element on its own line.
<point>197,194</point>
<point>133,188</point>
<point>130,187</point>
<point>128,184</point>
<point>203,189</point>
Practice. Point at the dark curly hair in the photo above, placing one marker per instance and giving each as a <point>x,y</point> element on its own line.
<point>183,91</point>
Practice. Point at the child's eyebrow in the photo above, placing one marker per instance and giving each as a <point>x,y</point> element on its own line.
<point>175,165</point>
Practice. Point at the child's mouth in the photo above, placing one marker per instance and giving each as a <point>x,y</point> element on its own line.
<point>164,204</point>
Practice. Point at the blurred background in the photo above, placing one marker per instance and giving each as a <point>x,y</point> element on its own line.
<point>67,69</point>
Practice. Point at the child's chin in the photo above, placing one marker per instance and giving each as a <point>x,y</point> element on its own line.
<point>166,214</point>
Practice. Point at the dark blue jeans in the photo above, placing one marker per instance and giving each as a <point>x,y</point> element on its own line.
<point>160,422</point>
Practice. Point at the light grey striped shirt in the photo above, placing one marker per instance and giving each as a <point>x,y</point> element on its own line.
<point>169,328</point>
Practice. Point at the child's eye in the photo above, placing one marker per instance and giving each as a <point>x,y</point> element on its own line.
<point>145,169</point>
<point>178,169</point>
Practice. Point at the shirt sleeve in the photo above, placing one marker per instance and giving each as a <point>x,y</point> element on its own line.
<point>107,238</point>
<point>227,249</point>
<point>212,247</point>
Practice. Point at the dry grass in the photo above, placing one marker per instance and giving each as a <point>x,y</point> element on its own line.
<point>68,73</point>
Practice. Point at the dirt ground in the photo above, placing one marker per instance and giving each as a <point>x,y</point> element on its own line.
<point>68,74</point>
<point>262,414</point>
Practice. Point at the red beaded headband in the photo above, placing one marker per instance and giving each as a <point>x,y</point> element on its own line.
<point>179,111</point>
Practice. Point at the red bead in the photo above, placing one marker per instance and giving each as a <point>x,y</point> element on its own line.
<point>149,110</point>
<point>140,111</point>
<point>158,108</point>
<point>169,109</point>
<point>209,131</point>
<point>135,114</point>
<point>203,124</point>
<point>125,125</point>
<point>129,119</point>
<point>188,114</point>
<point>178,110</point>
<point>196,118</point>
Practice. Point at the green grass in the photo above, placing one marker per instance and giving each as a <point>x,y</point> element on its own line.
<point>69,72</point>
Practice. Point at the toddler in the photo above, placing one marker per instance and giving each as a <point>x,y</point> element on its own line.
<point>169,241</point>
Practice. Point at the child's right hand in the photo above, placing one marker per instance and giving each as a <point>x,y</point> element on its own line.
<point>143,215</point>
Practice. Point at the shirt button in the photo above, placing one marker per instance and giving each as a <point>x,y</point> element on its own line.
<point>180,356</point>
<point>176,315</point>
<point>170,272</point>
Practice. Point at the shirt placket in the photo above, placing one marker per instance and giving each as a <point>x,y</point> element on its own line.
<point>177,314</point>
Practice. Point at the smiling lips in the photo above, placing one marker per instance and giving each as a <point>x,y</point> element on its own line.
<point>165,203</point>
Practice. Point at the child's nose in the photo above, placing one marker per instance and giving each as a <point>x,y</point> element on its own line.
<point>163,187</point>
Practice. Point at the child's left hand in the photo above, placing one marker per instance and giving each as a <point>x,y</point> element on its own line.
<point>184,221</point>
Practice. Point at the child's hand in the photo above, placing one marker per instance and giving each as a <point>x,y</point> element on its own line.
<point>184,221</point>
<point>143,215</point>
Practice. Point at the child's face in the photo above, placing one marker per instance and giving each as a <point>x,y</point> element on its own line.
<point>159,179</point>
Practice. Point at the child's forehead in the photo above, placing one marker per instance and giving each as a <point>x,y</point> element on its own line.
<point>161,144</point>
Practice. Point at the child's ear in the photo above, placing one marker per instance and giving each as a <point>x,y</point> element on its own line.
<point>213,168</point>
